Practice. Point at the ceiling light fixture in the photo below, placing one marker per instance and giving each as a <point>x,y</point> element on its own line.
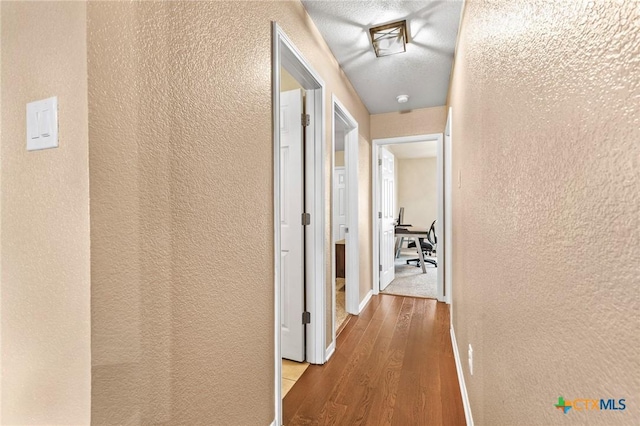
<point>402,99</point>
<point>389,39</point>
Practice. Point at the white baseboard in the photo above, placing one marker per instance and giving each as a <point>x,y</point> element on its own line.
<point>330,350</point>
<point>463,387</point>
<point>273,423</point>
<point>365,301</point>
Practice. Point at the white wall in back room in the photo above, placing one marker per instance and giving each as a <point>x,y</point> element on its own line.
<point>417,190</point>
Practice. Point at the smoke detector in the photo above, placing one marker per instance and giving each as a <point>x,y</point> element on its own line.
<point>402,99</point>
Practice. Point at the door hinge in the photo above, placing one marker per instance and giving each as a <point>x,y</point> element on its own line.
<point>379,161</point>
<point>306,317</point>
<point>306,219</point>
<point>380,268</point>
<point>306,119</point>
<point>379,215</point>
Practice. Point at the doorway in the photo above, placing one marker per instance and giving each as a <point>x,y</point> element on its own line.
<point>299,210</point>
<point>344,219</point>
<point>416,270</point>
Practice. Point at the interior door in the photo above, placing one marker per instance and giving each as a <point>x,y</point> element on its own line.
<point>387,225</point>
<point>292,231</point>
<point>339,203</point>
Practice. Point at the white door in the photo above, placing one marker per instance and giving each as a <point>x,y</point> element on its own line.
<point>291,208</point>
<point>387,225</point>
<point>339,203</point>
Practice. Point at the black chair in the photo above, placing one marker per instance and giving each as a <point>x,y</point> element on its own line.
<point>428,247</point>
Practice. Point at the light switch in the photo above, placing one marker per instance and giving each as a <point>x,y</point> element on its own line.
<point>32,127</point>
<point>42,124</point>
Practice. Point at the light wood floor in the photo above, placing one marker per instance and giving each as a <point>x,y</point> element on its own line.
<point>393,365</point>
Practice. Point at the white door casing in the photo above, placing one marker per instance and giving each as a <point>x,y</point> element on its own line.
<point>377,146</point>
<point>448,218</point>
<point>292,230</point>
<point>387,224</point>
<point>340,203</point>
<point>442,243</point>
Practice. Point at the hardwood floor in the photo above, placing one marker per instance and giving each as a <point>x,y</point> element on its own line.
<point>393,365</point>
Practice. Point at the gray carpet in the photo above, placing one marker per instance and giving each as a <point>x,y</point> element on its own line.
<point>410,281</point>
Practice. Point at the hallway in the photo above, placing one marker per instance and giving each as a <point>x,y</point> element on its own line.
<point>393,365</point>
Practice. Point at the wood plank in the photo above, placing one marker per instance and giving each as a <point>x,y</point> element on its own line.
<point>385,385</point>
<point>450,388</point>
<point>420,382</point>
<point>393,365</point>
<point>293,400</point>
<point>350,354</point>
<point>365,374</point>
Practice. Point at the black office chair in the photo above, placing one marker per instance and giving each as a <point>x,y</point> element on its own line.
<point>428,247</point>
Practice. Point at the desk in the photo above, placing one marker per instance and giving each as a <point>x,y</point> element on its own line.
<point>415,233</point>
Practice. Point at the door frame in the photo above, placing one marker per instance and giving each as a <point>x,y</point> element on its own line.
<point>351,157</point>
<point>376,145</point>
<point>285,54</point>
<point>448,211</point>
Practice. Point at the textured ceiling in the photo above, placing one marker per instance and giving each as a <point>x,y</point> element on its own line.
<point>422,72</point>
<point>414,150</point>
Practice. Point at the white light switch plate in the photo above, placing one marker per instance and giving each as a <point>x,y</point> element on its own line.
<point>42,124</point>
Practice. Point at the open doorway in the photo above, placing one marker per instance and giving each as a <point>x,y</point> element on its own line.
<point>299,213</point>
<point>292,189</point>
<point>344,219</point>
<point>408,184</point>
<point>416,208</point>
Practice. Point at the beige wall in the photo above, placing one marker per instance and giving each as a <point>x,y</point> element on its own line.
<point>0,209</point>
<point>417,190</point>
<point>287,82</point>
<point>339,159</point>
<point>416,122</point>
<point>365,212</point>
<point>182,330</point>
<point>546,222</point>
<point>45,307</point>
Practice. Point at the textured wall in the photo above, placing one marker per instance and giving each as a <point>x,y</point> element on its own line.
<point>364,211</point>
<point>181,192</point>
<point>546,100</point>
<point>417,185</point>
<point>415,122</point>
<point>0,208</point>
<point>45,219</point>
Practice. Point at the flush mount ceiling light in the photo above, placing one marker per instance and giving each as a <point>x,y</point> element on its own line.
<point>402,98</point>
<point>389,39</point>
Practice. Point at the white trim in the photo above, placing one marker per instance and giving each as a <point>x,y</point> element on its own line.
<point>448,212</point>
<point>286,54</point>
<point>463,388</point>
<point>301,70</point>
<point>442,258</point>
<point>275,124</point>
<point>365,301</point>
<point>274,423</point>
<point>330,350</point>
<point>352,287</point>
<point>315,253</point>
<point>375,198</point>
<point>375,220</point>
<point>352,248</point>
<point>351,153</point>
